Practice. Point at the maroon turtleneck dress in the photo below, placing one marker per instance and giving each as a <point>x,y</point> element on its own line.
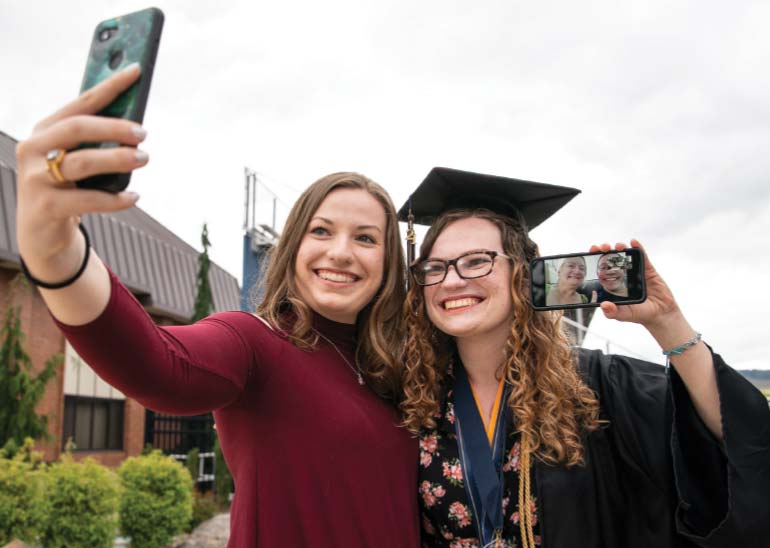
<point>318,460</point>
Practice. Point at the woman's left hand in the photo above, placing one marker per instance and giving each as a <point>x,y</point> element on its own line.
<point>660,304</point>
<point>664,320</point>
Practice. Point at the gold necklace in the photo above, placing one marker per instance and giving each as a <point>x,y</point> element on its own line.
<point>356,370</point>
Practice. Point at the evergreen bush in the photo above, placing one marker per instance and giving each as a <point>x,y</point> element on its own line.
<point>20,388</point>
<point>204,298</point>
<point>81,505</point>
<point>157,499</point>
<point>193,463</point>
<point>21,499</point>
<point>223,480</point>
<point>205,507</point>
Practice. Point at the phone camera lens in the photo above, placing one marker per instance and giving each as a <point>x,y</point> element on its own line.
<point>115,59</point>
<point>105,35</point>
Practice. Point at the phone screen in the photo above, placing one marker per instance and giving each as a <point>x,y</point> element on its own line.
<point>581,280</point>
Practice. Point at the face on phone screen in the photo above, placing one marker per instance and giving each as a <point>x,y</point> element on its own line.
<point>587,279</point>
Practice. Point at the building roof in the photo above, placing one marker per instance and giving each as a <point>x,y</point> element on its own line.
<point>7,151</point>
<point>155,264</point>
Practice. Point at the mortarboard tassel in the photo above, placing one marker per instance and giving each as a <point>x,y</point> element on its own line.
<point>411,240</point>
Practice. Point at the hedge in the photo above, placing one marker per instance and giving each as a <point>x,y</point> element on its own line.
<point>81,505</point>
<point>157,499</point>
<point>21,501</point>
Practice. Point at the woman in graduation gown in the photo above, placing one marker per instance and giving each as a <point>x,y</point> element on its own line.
<point>527,442</point>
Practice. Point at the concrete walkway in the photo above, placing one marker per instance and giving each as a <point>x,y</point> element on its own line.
<point>209,534</point>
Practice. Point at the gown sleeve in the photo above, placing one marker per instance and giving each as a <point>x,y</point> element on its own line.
<point>182,370</point>
<point>721,488</point>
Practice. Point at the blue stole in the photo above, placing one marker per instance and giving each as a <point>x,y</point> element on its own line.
<point>481,464</point>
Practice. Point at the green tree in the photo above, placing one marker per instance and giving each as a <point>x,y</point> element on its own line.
<point>20,390</point>
<point>223,479</point>
<point>204,305</point>
<point>204,301</point>
<point>193,460</point>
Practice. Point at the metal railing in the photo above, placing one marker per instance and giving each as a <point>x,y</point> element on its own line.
<point>203,476</point>
<point>610,346</point>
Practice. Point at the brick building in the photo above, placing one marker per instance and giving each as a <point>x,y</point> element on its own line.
<point>156,265</point>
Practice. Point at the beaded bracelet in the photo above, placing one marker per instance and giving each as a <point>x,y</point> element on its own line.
<point>68,281</point>
<point>680,349</point>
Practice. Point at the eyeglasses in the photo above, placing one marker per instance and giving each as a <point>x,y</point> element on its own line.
<point>615,262</point>
<point>474,264</point>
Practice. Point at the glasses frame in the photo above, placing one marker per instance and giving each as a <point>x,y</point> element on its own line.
<point>453,262</point>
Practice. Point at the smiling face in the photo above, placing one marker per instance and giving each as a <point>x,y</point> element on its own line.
<point>340,261</point>
<point>612,279</point>
<point>572,272</point>
<point>467,308</point>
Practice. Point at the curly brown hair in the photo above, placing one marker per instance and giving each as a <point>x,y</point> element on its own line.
<point>380,329</point>
<point>551,404</point>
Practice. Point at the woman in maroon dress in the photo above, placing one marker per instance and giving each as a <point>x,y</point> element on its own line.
<point>300,393</point>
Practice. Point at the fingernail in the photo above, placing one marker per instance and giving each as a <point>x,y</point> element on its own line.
<point>141,156</point>
<point>133,66</point>
<point>139,132</point>
<point>133,196</point>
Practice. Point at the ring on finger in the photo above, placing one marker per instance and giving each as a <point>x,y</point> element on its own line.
<point>54,158</point>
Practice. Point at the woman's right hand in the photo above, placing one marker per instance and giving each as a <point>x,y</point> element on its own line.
<point>48,212</point>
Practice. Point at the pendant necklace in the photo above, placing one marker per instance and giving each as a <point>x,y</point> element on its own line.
<point>356,370</point>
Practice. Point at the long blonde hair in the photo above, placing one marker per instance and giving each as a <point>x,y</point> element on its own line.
<point>379,324</point>
<point>550,402</point>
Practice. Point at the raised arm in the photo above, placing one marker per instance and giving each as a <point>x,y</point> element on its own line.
<point>181,370</point>
<point>662,317</point>
<point>48,210</point>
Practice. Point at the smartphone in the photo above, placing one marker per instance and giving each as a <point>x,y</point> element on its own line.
<point>117,43</point>
<point>583,280</point>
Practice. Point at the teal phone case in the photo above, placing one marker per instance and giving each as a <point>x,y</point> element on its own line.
<point>117,43</point>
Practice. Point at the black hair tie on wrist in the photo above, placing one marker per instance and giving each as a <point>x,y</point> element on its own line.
<point>68,281</point>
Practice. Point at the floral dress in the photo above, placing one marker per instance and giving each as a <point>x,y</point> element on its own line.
<point>446,517</point>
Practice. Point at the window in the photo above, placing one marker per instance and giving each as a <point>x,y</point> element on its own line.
<point>93,410</point>
<point>93,423</point>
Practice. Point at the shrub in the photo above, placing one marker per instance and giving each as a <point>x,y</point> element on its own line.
<point>223,480</point>
<point>157,499</point>
<point>193,462</point>
<point>81,505</point>
<point>21,500</point>
<point>205,507</point>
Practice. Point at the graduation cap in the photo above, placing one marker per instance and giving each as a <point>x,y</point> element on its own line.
<point>445,189</point>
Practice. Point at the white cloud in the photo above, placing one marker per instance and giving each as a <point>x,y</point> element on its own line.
<point>658,111</point>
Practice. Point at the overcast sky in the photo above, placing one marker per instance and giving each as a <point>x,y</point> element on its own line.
<point>658,111</point>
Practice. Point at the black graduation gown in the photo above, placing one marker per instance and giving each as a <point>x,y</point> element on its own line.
<point>655,476</point>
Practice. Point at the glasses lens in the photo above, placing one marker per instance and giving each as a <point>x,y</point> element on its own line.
<point>474,265</point>
<point>429,272</point>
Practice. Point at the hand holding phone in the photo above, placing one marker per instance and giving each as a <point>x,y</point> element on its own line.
<point>583,280</point>
<point>116,44</point>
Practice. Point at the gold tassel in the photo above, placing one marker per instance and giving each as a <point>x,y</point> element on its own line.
<point>525,508</point>
<point>411,239</point>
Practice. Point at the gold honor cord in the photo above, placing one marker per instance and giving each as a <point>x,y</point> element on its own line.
<point>525,507</point>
